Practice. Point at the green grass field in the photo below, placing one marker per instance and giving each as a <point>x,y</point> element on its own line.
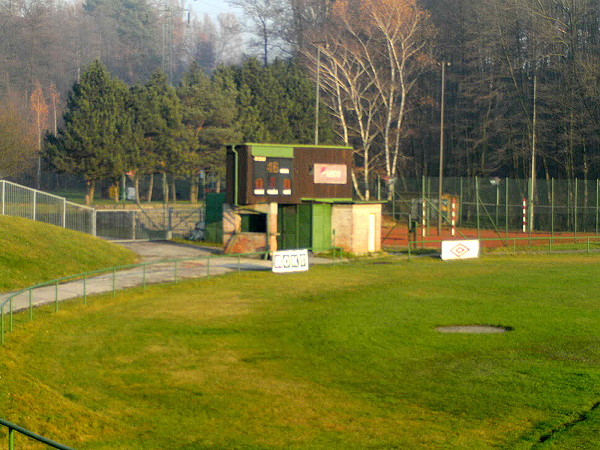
<point>33,252</point>
<point>341,357</point>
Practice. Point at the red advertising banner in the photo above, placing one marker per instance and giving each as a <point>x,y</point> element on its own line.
<point>330,174</point>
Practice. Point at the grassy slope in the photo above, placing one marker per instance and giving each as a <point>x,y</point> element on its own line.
<point>339,357</point>
<point>33,252</point>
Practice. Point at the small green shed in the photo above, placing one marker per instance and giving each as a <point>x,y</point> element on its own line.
<point>307,225</point>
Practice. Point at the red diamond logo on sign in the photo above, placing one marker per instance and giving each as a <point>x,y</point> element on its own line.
<point>459,250</point>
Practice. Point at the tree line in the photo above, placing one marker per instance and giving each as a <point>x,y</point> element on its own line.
<point>521,78</point>
<point>110,129</point>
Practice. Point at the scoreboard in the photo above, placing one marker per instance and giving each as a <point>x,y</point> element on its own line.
<point>287,174</point>
<point>272,176</point>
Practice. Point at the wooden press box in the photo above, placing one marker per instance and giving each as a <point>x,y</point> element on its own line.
<point>287,174</point>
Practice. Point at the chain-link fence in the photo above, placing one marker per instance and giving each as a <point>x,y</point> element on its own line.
<point>503,204</point>
<point>21,201</point>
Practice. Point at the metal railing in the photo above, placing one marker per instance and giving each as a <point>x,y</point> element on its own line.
<point>12,429</point>
<point>117,278</point>
<point>140,223</point>
<point>169,270</point>
<point>21,201</point>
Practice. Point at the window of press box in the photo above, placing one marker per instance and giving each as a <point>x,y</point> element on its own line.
<point>254,223</point>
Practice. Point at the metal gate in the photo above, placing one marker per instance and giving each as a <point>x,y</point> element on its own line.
<point>147,223</point>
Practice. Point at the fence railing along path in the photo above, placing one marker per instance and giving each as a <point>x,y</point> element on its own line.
<point>114,279</point>
<point>123,277</point>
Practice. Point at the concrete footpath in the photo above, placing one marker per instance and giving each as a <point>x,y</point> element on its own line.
<point>200,262</point>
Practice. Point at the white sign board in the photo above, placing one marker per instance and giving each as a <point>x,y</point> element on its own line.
<point>290,261</point>
<point>460,249</point>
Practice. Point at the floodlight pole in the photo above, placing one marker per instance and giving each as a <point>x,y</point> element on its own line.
<point>441,170</point>
<point>317,90</point>
<point>533,143</point>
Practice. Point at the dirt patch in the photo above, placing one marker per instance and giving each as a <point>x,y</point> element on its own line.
<point>474,329</point>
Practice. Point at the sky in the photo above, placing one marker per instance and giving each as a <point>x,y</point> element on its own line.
<point>211,7</point>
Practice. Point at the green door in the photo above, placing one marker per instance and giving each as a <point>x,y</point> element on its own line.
<point>213,217</point>
<point>294,226</point>
<point>286,225</point>
<point>321,227</point>
<point>304,226</point>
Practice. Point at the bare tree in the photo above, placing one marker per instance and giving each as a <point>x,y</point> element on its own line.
<point>39,108</point>
<point>17,139</point>
<point>350,98</point>
<point>264,19</point>
<point>213,44</point>
<point>55,102</point>
<point>374,52</point>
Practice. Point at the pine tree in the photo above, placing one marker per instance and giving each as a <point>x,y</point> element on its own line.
<point>209,113</point>
<point>93,140</point>
<point>159,113</point>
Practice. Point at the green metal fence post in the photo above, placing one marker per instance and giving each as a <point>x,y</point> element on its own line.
<point>428,196</point>
<point>144,277</point>
<point>10,316</point>
<point>506,193</point>
<point>175,275</point>
<point>552,209</point>
<point>56,296</point>
<point>85,289</point>
<point>114,283</point>
<point>2,325</point>
<point>11,439</point>
<point>208,265</point>
<point>597,202</point>
<point>30,306</point>
<point>575,212</point>
<point>238,263</point>
<point>423,211</point>
<point>477,203</point>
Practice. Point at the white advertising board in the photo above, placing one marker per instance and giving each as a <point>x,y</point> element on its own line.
<point>460,249</point>
<point>290,261</point>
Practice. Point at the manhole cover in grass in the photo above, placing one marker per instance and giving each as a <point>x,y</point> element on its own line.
<point>474,329</point>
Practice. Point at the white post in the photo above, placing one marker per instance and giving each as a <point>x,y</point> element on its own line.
<point>3,196</point>
<point>524,215</point>
<point>453,216</point>
<point>424,218</point>
<point>34,215</point>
